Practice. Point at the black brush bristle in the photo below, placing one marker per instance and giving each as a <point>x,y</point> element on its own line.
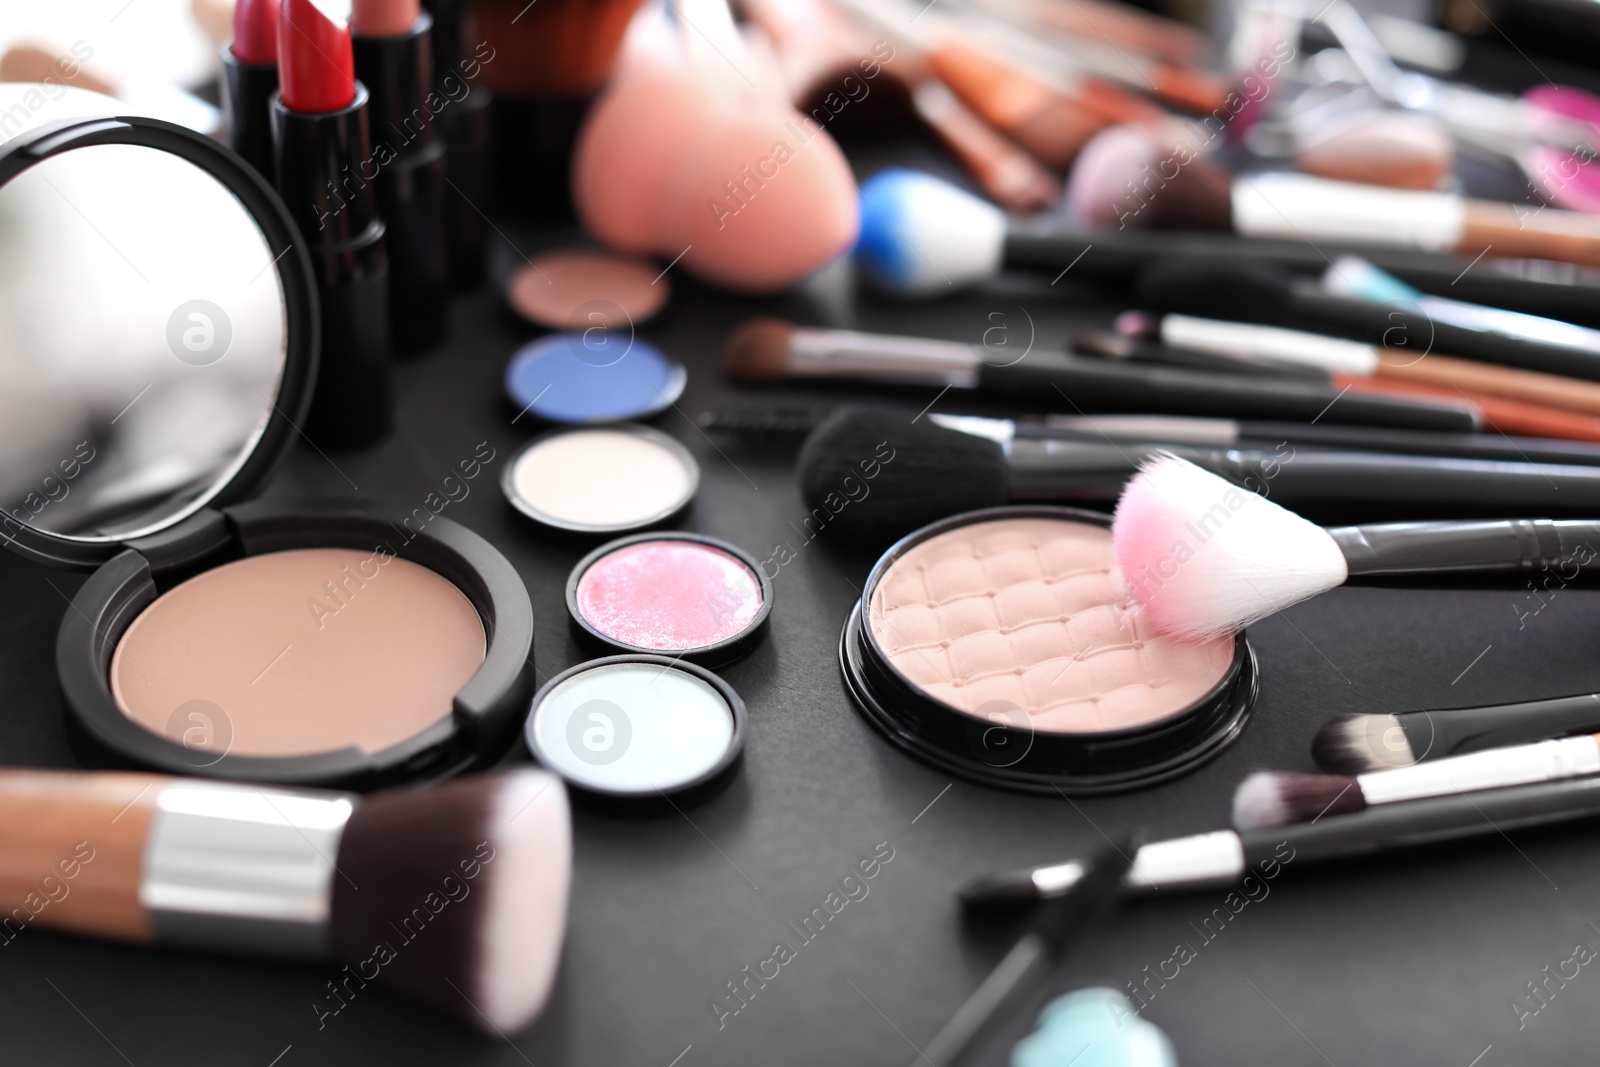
<point>872,475</point>
<point>763,424</point>
<point>456,894</point>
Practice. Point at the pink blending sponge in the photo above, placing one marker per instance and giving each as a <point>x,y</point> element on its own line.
<point>760,196</point>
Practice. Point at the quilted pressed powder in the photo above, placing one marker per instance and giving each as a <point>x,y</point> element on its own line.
<point>1003,644</point>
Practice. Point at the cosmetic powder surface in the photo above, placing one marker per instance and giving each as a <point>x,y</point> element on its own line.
<point>298,652</point>
<point>602,478</point>
<point>632,728</point>
<point>1032,614</point>
<point>668,595</point>
<point>585,288</point>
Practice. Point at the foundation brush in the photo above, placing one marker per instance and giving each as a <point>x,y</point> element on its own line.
<point>1206,556</point>
<point>454,895</point>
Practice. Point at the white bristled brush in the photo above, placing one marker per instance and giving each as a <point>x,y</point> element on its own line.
<point>1273,798</point>
<point>1206,557</point>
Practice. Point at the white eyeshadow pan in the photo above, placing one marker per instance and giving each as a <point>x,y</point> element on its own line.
<point>602,480</point>
<point>636,726</point>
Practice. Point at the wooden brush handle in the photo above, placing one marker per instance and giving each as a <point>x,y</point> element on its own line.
<point>1499,414</point>
<point>72,852</point>
<point>1011,177</point>
<point>1549,390</point>
<point>1530,232</point>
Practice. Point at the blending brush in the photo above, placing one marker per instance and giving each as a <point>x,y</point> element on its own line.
<point>770,350</point>
<point>1205,556</point>
<point>1225,857</point>
<point>945,465</point>
<point>1277,798</point>
<point>454,894</point>
<point>1121,178</point>
<point>921,236</point>
<point>1356,744</point>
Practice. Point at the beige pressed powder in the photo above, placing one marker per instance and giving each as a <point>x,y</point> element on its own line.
<point>1032,613</point>
<point>299,652</point>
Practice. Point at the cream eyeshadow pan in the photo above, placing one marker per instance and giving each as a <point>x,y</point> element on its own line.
<point>1032,614</point>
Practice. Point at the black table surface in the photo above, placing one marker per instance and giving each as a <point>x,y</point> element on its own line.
<point>1403,959</point>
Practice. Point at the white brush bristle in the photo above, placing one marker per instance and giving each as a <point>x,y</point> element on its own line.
<point>1205,556</point>
<point>1259,802</point>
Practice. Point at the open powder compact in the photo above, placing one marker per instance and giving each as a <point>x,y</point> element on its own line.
<point>1001,645</point>
<point>158,346</point>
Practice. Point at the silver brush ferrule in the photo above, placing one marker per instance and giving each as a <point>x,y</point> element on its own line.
<point>238,867</point>
<point>907,360</point>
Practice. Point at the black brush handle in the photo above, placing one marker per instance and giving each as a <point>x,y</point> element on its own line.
<point>1098,385</point>
<point>1454,731</point>
<point>1321,482</point>
<point>1418,443</point>
<point>1383,324</point>
<point>1391,827</point>
<point>1049,244</point>
<point>1469,546</point>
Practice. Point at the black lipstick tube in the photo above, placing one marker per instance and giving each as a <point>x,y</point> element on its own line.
<point>247,90</point>
<point>324,171</point>
<point>410,154</point>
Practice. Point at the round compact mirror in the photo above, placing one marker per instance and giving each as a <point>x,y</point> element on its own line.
<point>149,303</point>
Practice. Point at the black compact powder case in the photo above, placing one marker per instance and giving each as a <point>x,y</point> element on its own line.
<point>1013,755</point>
<point>228,524</point>
<point>714,656</point>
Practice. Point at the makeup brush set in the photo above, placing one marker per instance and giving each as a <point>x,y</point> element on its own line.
<point>1301,336</point>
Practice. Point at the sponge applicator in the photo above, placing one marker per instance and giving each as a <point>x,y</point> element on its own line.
<point>752,195</point>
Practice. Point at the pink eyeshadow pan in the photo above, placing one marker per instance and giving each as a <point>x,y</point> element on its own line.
<point>669,594</point>
<point>1032,614</point>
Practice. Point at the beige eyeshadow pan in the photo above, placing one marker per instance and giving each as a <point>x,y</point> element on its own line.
<point>298,653</point>
<point>1033,613</point>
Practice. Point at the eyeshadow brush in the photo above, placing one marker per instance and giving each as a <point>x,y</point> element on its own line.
<point>1357,744</point>
<point>1509,399</point>
<point>1278,798</point>
<point>1225,857</point>
<point>767,350</point>
<point>938,470</point>
<point>1035,955</point>
<point>1206,557</point>
<point>1260,293</point>
<point>454,895</point>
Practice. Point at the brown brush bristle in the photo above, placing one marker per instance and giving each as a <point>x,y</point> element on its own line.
<point>758,351</point>
<point>455,894</point>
